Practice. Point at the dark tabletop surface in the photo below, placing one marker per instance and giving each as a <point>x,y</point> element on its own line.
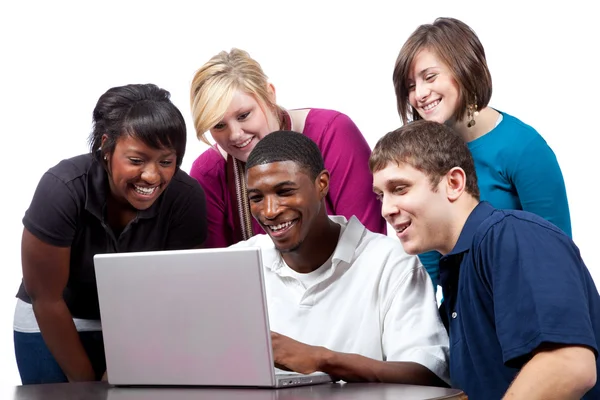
<point>346,391</point>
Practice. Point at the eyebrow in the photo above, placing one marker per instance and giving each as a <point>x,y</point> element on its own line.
<point>165,153</point>
<point>423,72</point>
<point>392,183</point>
<point>277,186</point>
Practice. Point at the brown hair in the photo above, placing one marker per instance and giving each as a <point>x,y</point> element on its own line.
<point>428,146</point>
<point>457,46</point>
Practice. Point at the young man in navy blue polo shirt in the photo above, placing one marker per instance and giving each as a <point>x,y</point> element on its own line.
<point>523,310</point>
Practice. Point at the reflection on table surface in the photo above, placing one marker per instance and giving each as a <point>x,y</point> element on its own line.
<point>346,391</point>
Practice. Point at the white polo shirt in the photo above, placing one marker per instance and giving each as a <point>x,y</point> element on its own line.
<point>369,298</point>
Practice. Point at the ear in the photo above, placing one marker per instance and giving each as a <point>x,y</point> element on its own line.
<point>456,182</point>
<point>322,183</point>
<point>104,139</point>
<point>272,95</point>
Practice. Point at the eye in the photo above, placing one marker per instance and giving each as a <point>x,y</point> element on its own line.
<point>219,126</point>
<point>243,116</point>
<point>410,87</point>
<point>286,192</point>
<point>379,196</point>
<point>399,190</point>
<point>136,161</point>
<point>255,198</point>
<point>166,163</point>
<point>431,77</point>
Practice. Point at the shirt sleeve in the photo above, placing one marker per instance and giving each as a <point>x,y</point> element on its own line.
<point>413,331</point>
<point>52,215</point>
<point>188,228</point>
<point>540,185</point>
<point>538,286</point>
<point>215,190</point>
<point>346,156</point>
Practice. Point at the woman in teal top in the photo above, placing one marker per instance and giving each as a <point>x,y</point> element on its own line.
<point>441,75</point>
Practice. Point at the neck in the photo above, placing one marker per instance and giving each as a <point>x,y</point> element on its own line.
<point>464,206</point>
<point>318,246</point>
<point>118,214</point>
<point>484,123</point>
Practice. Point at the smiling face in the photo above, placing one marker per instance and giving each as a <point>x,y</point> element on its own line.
<point>138,174</point>
<point>243,125</point>
<point>432,90</point>
<point>418,214</point>
<point>286,201</point>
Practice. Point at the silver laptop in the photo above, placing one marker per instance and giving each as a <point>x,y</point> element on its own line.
<point>189,317</point>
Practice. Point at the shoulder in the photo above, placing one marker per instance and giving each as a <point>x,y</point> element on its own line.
<point>209,165</point>
<point>321,117</point>
<point>72,168</point>
<point>517,130</point>
<point>520,234</point>
<point>385,253</point>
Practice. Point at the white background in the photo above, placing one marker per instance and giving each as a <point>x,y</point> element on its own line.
<point>57,58</point>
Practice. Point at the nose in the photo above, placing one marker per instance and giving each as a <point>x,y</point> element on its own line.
<point>271,207</point>
<point>235,132</point>
<point>422,91</point>
<point>150,174</point>
<point>389,209</point>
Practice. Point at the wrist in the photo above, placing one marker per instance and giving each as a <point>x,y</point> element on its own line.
<point>325,358</point>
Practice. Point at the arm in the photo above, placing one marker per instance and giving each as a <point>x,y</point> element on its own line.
<point>346,156</point>
<point>540,185</point>
<point>209,171</point>
<point>300,357</point>
<point>45,275</point>
<point>187,225</point>
<point>556,373</point>
<point>542,299</point>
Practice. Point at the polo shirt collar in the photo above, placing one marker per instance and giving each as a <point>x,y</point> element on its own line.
<point>97,189</point>
<point>477,216</point>
<point>344,251</point>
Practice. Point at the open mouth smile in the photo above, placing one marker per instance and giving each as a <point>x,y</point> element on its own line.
<point>244,144</point>
<point>280,229</point>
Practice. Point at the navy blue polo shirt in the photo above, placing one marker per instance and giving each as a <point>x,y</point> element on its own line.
<point>512,282</point>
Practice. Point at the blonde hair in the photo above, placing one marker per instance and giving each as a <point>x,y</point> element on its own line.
<point>216,81</point>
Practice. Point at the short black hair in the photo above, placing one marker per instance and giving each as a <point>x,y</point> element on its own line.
<point>288,146</point>
<point>143,111</point>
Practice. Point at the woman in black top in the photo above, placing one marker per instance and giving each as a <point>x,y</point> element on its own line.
<point>127,194</point>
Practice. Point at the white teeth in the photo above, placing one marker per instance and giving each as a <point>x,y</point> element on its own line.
<point>246,143</point>
<point>279,227</point>
<point>145,190</point>
<point>431,105</point>
<point>402,229</point>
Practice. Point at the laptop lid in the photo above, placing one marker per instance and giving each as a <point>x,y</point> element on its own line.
<point>190,317</point>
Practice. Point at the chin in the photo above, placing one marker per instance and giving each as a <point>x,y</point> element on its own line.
<point>288,249</point>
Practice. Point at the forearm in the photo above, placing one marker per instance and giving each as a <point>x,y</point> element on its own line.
<point>357,368</point>
<point>564,373</point>
<point>61,337</point>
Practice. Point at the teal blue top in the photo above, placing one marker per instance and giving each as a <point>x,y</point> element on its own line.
<point>516,169</point>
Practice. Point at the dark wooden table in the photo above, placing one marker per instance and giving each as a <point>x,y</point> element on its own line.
<point>339,391</point>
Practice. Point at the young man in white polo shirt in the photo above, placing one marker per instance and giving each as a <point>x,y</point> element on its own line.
<point>342,300</point>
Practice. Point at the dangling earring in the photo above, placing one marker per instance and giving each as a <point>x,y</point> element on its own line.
<point>105,157</point>
<point>472,113</point>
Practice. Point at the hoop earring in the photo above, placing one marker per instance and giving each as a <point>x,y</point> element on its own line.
<point>472,113</point>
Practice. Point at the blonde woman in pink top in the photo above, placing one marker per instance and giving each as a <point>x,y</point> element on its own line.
<point>232,99</point>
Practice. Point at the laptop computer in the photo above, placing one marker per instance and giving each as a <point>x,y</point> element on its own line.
<point>188,317</point>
